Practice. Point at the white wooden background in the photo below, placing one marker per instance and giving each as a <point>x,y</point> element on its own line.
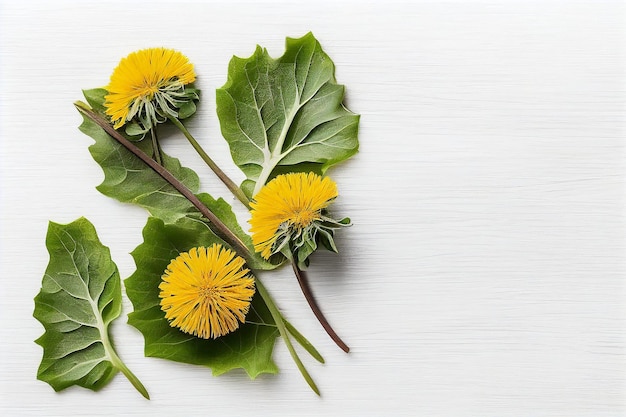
<point>485,272</point>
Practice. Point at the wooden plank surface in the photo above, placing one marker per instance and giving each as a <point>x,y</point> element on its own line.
<point>485,271</point>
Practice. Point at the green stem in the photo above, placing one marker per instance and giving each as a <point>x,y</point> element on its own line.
<point>117,363</point>
<point>280,323</point>
<point>237,192</point>
<point>155,146</point>
<point>303,342</point>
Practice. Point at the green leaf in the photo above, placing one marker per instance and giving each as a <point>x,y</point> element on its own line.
<point>249,348</point>
<point>128,179</point>
<point>79,298</point>
<point>279,114</point>
<point>95,98</point>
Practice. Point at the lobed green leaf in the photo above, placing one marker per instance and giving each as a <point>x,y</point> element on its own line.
<point>80,296</point>
<point>249,348</point>
<point>128,179</point>
<point>285,114</point>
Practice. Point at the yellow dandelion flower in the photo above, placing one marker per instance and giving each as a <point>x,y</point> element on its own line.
<point>206,292</point>
<point>289,211</point>
<point>149,85</point>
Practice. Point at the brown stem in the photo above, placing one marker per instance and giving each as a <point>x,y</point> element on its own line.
<point>222,229</point>
<point>306,290</point>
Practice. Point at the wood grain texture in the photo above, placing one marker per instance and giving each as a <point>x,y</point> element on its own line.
<point>485,271</point>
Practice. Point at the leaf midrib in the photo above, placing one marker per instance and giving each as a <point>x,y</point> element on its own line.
<point>100,325</point>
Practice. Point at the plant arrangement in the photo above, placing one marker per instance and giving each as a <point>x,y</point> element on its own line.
<point>197,292</point>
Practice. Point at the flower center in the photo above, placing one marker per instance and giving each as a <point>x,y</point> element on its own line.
<point>148,91</point>
<point>304,217</point>
<point>206,292</point>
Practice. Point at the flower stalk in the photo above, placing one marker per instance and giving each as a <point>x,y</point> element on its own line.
<point>156,149</point>
<point>282,329</point>
<point>234,188</point>
<point>308,295</point>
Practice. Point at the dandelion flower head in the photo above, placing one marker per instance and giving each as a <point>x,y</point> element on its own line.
<point>149,85</point>
<point>290,206</point>
<point>206,292</point>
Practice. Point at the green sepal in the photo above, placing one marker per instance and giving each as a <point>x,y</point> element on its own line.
<point>135,132</point>
<point>293,242</point>
<point>187,107</point>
